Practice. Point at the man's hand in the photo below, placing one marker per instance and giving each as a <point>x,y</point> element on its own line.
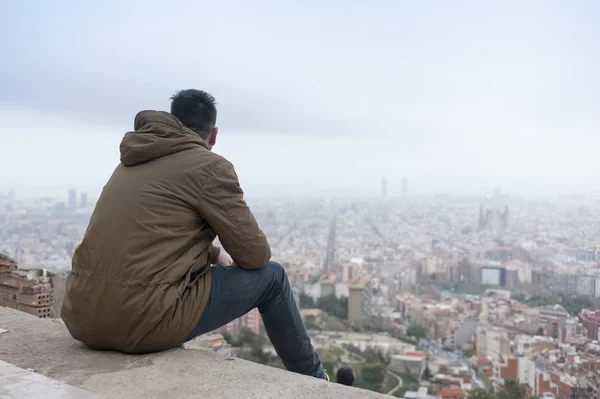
<point>224,258</point>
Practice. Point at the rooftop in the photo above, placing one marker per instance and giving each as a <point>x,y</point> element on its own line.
<point>451,392</point>
<point>45,346</point>
<point>360,282</point>
<point>328,278</point>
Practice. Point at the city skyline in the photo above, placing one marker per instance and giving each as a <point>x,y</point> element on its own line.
<point>360,188</point>
<point>486,288</point>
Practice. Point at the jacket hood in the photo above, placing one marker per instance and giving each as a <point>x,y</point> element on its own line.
<point>156,134</point>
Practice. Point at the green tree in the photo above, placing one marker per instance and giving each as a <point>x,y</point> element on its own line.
<point>332,323</point>
<point>306,301</point>
<point>230,340</point>
<point>310,322</point>
<point>512,390</point>
<point>574,304</point>
<point>426,374</point>
<point>246,337</point>
<point>469,352</point>
<point>257,351</point>
<point>372,376</point>
<point>334,306</point>
<point>481,394</point>
<point>416,331</point>
<point>344,307</point>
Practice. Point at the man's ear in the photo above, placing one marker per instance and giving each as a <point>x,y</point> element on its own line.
<point>211,140</point>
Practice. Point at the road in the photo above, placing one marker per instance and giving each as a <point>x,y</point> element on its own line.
<point>330,255</point>
<point>375,228</point>
<point>286,235</point>
<point>362,360</point>
<point>397,387</point>
<point>455,357</point>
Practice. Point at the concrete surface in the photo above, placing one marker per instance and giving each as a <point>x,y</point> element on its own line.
<point>47,347</point>
<point>16,382</point>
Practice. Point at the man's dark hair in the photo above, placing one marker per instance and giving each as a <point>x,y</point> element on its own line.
<point>196,110</point>
<point>345,376</point>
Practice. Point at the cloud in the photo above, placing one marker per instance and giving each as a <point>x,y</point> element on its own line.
<point>441,89</point>
<point>287,68</point>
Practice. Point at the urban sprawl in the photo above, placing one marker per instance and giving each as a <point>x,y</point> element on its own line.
<point>439,297</point>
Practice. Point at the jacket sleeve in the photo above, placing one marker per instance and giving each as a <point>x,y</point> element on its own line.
<point>224,209</point>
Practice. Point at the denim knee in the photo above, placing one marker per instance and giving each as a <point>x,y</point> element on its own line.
<point>277,271</point>
<point>275,268</point>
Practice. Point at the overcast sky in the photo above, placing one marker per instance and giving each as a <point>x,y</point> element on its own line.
<point>314,97</point>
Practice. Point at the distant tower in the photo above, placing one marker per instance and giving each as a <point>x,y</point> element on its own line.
<point>404,187</point>
<point>384,187</point>
<point>359,298</point>
<point>505,217</point>
<point>12,195</point>
<point>83,200</point>
<point>72,199</point>
<point>490,220</point>
<point>481,222</point>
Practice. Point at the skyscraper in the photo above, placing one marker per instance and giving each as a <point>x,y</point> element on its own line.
<point>384,187</point>
<point>404,187</point>
<point>359,298</point>
<point>83,200</point>
<point>481,221</point>
<point>72,199</point>
<point>492,219</point>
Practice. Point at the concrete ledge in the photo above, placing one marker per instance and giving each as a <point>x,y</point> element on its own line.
<point>46,346</point>
<point>16,382</point>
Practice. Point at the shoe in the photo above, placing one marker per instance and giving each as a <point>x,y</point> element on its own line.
<point>345,376</point>
<point>326,375</point>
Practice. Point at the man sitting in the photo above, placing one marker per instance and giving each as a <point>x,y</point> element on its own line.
<point>142,279</point>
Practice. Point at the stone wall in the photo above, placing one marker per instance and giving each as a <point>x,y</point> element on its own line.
<point>45,346</point>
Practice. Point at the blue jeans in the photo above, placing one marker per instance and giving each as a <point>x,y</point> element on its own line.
<point>235,291</point>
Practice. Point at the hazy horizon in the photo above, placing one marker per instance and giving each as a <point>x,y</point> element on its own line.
<point>314,99</point>
<point>363,188</point>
